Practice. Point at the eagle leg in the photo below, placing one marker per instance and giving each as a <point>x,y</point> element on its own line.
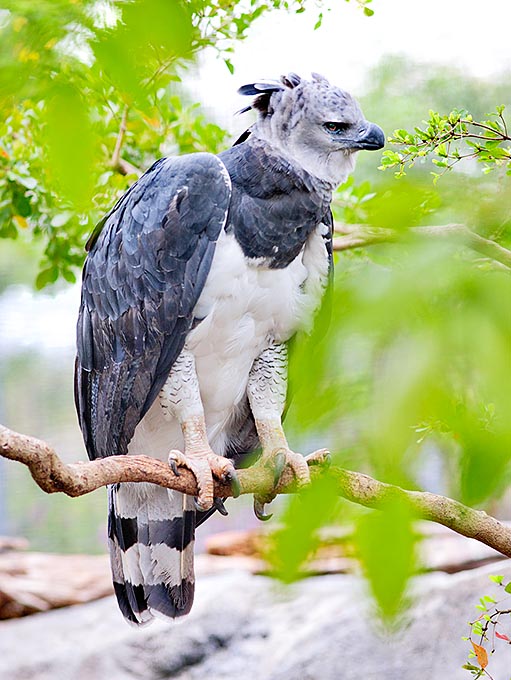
<point>267,387</point>
<point>180,399</point>
<point>203,462</point>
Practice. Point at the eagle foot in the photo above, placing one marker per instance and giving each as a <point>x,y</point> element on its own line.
<point>204,465</point>
<point>276,461</point>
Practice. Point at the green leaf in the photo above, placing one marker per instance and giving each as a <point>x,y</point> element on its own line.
<point>441,150</point>
<point>69,275</point>
<point>477,628</point>
<point>304,515</point>
<point>496,578</point>
<point>319,21</point>
<point>70,144</point>
<point>46,276</point>
<point>386,546</point>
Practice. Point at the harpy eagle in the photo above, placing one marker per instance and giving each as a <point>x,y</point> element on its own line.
<point>194,283</point>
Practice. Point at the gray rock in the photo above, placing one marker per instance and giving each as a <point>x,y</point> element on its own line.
<point>245,626</point>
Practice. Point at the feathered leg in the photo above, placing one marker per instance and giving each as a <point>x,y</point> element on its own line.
<point>180,399</point>
<point>267,388</point>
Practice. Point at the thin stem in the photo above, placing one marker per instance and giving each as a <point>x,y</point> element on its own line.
<point>116,156</point>
<point>485,127</point>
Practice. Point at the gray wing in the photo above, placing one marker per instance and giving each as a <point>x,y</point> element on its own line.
<point>144,273</point>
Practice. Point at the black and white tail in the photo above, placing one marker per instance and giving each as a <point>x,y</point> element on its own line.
<point>151,537</point>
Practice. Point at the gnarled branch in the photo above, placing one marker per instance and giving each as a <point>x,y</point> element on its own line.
<point>77,479</point>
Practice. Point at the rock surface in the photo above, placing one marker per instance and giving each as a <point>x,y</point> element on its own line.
<point>36,582</point>
<point>246,626</point>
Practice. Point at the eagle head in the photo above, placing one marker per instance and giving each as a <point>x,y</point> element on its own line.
<point>315,124</point>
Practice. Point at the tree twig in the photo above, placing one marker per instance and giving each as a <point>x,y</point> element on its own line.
<point>77,479</point>
<point>117,162</point>
<point>359,235</point>
<point>124,167</point>
<point>120,138</point>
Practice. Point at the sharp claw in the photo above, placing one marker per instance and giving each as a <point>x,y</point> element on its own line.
<point>279,463</point>
<point>173,467</point>
<point>219,505</point>
<point>259,511</point>
<point>198,506</point>
<point>232,477</point>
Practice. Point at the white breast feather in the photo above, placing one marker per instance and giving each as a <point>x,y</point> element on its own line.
<point>244,306</point>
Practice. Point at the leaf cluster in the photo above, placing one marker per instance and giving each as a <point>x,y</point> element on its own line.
<point>486,631</point>
<point>85,85</point>
<point>450,138</point>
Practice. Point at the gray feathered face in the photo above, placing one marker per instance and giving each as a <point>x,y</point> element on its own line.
<point>317,124</point>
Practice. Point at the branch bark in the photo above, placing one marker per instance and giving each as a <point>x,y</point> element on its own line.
<point>359,236</point>
<point>77,479</point>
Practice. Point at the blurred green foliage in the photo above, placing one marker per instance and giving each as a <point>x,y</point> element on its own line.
<point>416,359</point>
<point>73,75</point>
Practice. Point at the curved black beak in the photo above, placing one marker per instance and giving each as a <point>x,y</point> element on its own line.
<point>373,138</point>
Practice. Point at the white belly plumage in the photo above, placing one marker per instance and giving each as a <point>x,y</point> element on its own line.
<point>244,306</point>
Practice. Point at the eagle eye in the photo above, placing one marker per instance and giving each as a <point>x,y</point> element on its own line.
<point>333,126</point>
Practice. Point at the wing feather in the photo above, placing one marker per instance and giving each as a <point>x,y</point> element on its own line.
<point>147,264</point>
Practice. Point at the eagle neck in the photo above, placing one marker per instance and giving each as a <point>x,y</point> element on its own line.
<point>275,204</point>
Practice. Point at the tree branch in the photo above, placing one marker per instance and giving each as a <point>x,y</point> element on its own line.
<point>77,479</point>
<point>117,162</point>
<point>359,235</point>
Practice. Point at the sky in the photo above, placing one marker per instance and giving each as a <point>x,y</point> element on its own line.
<point>475,36</point>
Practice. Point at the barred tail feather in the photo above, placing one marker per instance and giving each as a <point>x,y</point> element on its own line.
<point>126,593</point>
<point>151,535</point>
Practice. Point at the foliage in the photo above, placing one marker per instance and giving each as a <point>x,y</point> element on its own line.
<point>452,138</point>
<point>364,6</point>
<point>412,366</point>
<point>85,84</point>
<point>487,631</point>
